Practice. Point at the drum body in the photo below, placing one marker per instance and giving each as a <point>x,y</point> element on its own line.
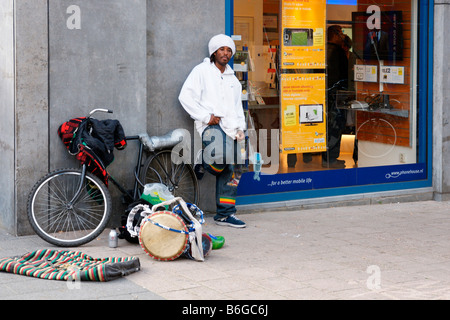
<point>159,242</point>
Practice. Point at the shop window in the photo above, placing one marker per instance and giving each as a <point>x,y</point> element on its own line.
<point>294,85</point>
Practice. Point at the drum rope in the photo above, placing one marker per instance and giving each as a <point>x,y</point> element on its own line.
<point>168,228</point>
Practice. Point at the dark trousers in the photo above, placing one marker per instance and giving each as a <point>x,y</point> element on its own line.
<point>221,158</point>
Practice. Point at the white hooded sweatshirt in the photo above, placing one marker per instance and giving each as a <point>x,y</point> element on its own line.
<point>207,91</point>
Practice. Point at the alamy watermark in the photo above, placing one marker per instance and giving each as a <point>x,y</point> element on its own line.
<point>74,279</point>
<point>253,150</point>
<point>374,280</point>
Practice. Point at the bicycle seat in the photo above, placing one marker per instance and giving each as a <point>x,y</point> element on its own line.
<point>169,140</point>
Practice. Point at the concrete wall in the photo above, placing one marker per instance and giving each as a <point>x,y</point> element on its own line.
<point>177,37</point>
<point>64,69</point>
<point>71,56</point>
<point>178,33</point>
<point>31,101</point>
<point>97,59</point>
<point>441,96</point>
<point>7,205</point>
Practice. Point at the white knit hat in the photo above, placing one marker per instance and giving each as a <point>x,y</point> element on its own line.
<point>220,41</point>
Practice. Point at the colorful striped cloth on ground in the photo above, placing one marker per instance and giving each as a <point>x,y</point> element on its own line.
<point>69,265</point>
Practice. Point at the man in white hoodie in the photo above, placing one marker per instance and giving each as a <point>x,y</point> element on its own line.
<point>212,96</point>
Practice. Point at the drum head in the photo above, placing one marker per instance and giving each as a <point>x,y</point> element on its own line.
<point>162,244</point>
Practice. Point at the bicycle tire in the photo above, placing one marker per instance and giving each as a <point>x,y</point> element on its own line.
<point>179,178</point>
<point>61,224</point>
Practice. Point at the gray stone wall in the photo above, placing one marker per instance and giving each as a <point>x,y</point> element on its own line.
<point>31,102</point>
<point>441,97</point>
<point>178,33</point>
<point>68,57</point>
<point>7,205</point>
<point>97,59</point>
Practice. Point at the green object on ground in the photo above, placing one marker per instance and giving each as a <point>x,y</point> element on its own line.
<point>217,241</point>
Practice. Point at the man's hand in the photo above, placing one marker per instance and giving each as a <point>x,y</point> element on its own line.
<point>240,135</point>
<point>213,120</point>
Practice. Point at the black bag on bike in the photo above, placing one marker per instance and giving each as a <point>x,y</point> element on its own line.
<point>92,142</point>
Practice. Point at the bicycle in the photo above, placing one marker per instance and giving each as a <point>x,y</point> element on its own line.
<point>71,207</point>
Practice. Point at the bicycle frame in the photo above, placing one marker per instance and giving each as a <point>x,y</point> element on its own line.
<point>134,196</point>
<point>80,186</point>
<point>135,192</point>
<point>137,173</point>
<point>131,197</point>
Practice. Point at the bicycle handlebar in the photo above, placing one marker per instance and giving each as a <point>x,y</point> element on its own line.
<point>99,110</point>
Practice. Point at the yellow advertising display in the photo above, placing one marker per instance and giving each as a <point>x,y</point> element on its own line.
<point>303,32</point>
<point>303,112</point>
<point>303,90</point>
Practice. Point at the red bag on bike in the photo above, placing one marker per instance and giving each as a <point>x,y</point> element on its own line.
<point>68,130</point>
<point>92,142</point>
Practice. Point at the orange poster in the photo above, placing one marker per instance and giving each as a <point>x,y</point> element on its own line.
<point>303,90</point>
<point>303,113</point>
<point>303,34</point>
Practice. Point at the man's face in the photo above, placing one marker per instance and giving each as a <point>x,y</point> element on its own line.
<point>223,55</point>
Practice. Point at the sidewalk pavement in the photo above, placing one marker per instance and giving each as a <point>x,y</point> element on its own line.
<point>384,251</point>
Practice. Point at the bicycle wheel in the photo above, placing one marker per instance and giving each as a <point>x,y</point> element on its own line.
<point>179,178</point>
<point>63,224</point>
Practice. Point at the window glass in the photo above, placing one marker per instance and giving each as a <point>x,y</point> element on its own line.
<point>329,85</point>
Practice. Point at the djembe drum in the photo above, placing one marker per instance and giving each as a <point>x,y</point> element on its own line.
<point>163,236</point>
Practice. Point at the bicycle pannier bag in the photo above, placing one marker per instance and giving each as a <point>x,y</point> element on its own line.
<point>68,130</point>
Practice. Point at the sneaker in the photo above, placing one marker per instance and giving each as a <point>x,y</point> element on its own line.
<point>230,221</point>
